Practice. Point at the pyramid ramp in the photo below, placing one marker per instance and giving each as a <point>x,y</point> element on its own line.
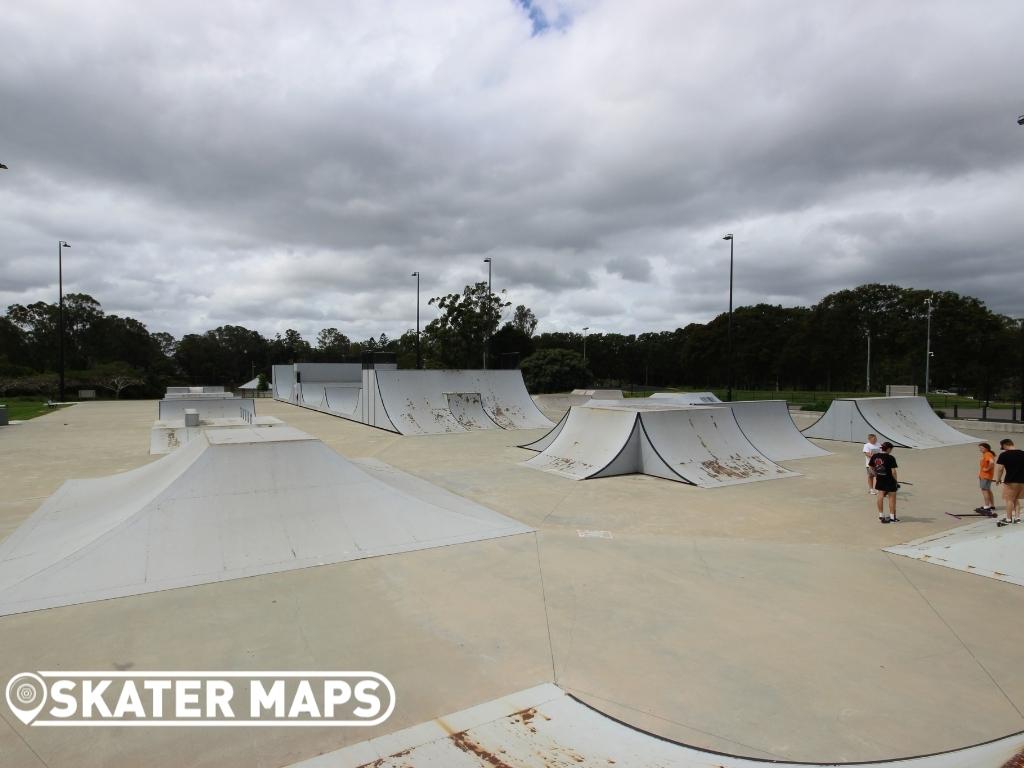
<point>768,425</point>
<point>695,445</point>
<point>543,442</point>
<point>545,727</point>
<point>981,548</point>
<point>231,504</point>
<point>906,422</point>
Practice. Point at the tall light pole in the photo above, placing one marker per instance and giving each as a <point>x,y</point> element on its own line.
<point>928,344</point>
<point>587,328</point>
<point>490,293</point>
<point>867,380</point>
<point>729,237</point>
<point>61,245</point>
<point>419,356</point>
<point>1021,321</point>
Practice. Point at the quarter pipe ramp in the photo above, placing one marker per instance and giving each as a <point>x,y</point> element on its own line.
<point>906,422</point>
<point>768,425</point>
<point>544,727</point>
<point>412,402</point>
<point>696,445</point>
<point>231,503</point>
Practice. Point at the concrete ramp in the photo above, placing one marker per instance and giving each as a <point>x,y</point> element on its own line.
<point>343,400</point>
<point>768,425</point>
<point>907,422</point>
<point>695,445</point>
<point>434,402</point>
<point>706,447</point>
<point>686,398</point>
<point>165,437</point>
<point>982,548</point>
<point>230,504</point>
<point>467,408</point>
<point>544,727</point>
<point>219,408</point>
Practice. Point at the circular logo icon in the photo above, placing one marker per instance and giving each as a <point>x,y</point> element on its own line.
<point>26,696</point>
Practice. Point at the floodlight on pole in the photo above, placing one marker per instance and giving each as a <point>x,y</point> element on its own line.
<point>490,293</point>
<point>585,329</point>
<point>867,378</point>
<point>930,303</point>
<point>419,356</point>
<point>61,245</point>
<point>729,237</point>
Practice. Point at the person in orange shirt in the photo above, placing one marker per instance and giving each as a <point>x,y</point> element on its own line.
<point>986,473</point>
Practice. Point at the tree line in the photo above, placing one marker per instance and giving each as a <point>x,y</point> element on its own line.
<point>821,347</point>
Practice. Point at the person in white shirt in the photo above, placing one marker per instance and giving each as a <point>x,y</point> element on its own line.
<point>871,447</point>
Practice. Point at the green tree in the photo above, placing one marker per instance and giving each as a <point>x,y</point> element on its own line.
<point>332,345</point>
<point>555,370</point>
<point>523,320</point>
<point>457,339</point>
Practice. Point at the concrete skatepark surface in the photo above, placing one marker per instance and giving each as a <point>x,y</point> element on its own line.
<point>763,619</point>
<point>696,445</point>
<point>908,422</point>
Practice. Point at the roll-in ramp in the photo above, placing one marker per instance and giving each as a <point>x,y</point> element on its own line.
<point>545,727</point>
<point>906,422</point>
<point>697,445</point>
<point>231,503</point>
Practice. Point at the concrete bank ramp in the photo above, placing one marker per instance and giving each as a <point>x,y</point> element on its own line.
<point>906,422</point>
<point>230,504</point>
<point>697,445</point>
<point>768,425</point>
<point>545,727</point>
<point>982,548</point>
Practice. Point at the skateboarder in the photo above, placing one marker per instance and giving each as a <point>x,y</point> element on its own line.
<point>986,473</point>
<point>1010,470</point>
<point>871,447</point>
<point>884,465</point>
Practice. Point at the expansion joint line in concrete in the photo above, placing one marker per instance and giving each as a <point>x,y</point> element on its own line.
<point>544,597</point>
<point>28,746</point>
<point>775,756</point>
<point>892,559</point>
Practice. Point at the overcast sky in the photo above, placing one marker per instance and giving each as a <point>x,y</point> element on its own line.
<point>288,165</point>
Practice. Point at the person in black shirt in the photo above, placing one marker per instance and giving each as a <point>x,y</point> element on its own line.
<point>883,464</point>
<point>1010,472</point>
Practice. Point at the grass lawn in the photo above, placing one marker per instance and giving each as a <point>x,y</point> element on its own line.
<point>25,407</point>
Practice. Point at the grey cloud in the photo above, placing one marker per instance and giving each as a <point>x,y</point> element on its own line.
<point>290,165</point>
